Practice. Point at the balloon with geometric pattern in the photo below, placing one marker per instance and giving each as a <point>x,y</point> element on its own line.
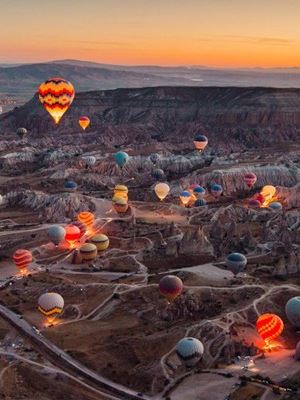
<point>84,122</point>
<point>269,327</point>
<point>22,258</point>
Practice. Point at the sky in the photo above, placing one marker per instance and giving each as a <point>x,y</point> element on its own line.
<point>223,33</point>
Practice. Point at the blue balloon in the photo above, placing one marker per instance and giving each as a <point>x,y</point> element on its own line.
<point>199,192</point>
<point>154,157</point>
<point>158,174</point>
<point>121,158</point>
<point>200,203</point>
<point>236,262</point>
<point>185,193</point>
<point>216,190</point>
<point>275,205</point>
<point>292,310</point>
<point>189,350</point>
<point>70,185</point>
<point>200,138</point>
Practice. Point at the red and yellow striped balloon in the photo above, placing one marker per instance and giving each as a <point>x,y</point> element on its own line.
<point>269,326</point>
<point>56,96</point>
<point>22,258</point>
<point>84,122</point>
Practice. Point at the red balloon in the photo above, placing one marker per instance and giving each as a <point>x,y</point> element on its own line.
<point>72,233</point>
<point>170,286</point>
<point>269,326</point>
<point>250,178</point>
<point>81,227</point>
<point>22,258</point>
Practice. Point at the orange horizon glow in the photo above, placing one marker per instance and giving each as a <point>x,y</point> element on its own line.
<point>217,33</point>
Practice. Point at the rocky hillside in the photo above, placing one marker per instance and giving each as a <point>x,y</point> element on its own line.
<point>232,118</point>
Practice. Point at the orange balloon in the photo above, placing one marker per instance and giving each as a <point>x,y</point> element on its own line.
<point>56,96</point>
<point>22,258</point>
<point>269,326</point>
<point>84,122</point>
<point>86,217</point>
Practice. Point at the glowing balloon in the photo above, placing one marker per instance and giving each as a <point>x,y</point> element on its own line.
<point>51,304</point>
<point>22,258</point>
<point>185,197</point>
<point>84,122</point>
<point>250,178</point>
<point>73,234</point>
<point>200,142</point>
<point>56,96</point>
<point>189,350</point>
<point>88,252</point>
<point>87,218</point>
<point>170,286</point>
<point>56,234</point>
<point>236,262</point>
<point>269,327</point>
<point>292,310</point>
<point>216,190</point>
<point>101,241</point>
<point>121,158</point>
<point>162,190</point>
<point>268,192</point>
<point>81,227</point>
<point>21,132</point>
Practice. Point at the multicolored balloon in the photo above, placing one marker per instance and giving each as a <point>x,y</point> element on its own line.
<point>22,258</point>
<point>101,241</point>
<point>121,191</point>
<point>216,190</point>
<point>87,218</point>
<point>50,304</point>
<point>170,286</point>
<point>88,252</point>
<point>269,327</point>
<point>84,122</point>
<point>189,350</point>
<point>200,142</point>
<point>56,96</point>
<point>199,192</point>
<point>185,197</point>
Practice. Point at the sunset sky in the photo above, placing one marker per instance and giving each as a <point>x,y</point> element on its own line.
<point>226,33</point>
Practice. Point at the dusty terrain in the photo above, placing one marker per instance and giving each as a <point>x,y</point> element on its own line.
<point>115,322</point>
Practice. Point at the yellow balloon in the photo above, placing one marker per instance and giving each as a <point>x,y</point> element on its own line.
<point>268,191</point>
<point>162,190</point>
<point>84,122</point>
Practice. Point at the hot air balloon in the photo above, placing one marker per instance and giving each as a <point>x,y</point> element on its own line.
<point>170,286</point>
<point>162,190</point>
<point>81,227</point>
<point>236,262</point>
<point>56,96</point>
<point>56,234</point>
<point>121,158</point>
<point>120,205</point>
<point>200,203</point>
<point>199,192</point>
<point>22,258</point>
<point>21,132</point>
<point>89,160</point>
<point>101,241</point>
<point>250,178</point>
<point>259,197</point>
<point>275,206</point>
<point>51,304</point>
<point>292,310</point>
<point>70,186</point>
<point>267,193</point>
<point>88,252</point>
<point>200,142</point>
<point>269,327</point>
<point>121,191</point>
<point>216,190</point>
<point>189,350</point>
<point>297,352</point>
<point>84,122</point>
<point>185,197</point>
<point>87,218</point>
<point>76,257</point>
<point>158,174</point>
<point>254,203</point>
<point>73,234</point>
<point>154,158</point>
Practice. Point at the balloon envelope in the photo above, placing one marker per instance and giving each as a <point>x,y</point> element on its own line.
<point>236,262</point>
<point>269,326</point>
<point>189,350</point>
<point>200,203</point>
<point>216,190</point>
<point>56,96</point>
<point>121,158</point>
<point>158,174</point>
<point>185,197</point>
<point>162,190</point>
<point>50,304</point>
<point>70,185</point>
<point>89,160</point>
<point>84,122</point>
<point>56,234</point>
<point>170,286</point>
<point>199,192</point>
<point>275,206</point>
<point>86,217</point>
<point>292,310</point>
<point>154,158</point>
<point>22,258</point>
<point>200,142</point>
<point>21,132</point>
<point>250,178</point>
